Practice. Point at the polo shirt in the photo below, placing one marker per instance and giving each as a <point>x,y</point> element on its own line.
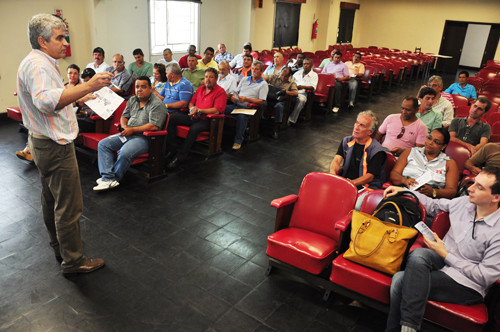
<point>195,76</point>
<point>242,71</point>
<point>338,69</point>
<point>216,98</point>
<point>211,64</point>
<point>415,133</point>
<point>355,68</point>
<point>468,91</point>
<point>471,135</point>
<point>432,119</point>
<point>145,70</point>
<point>228,83</point>
<point>174,92</point>
<point>325,62</point>
<point>254,90</point>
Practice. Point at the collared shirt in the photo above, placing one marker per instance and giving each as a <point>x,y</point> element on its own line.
<point>432,119</point>
<point>183,60</point>
<point>145,70</point>
<point>217,98</point>
<point>122,80</point>
<point>355,68</point>
<point>415,132</point>
<point>237,61</point>
<point>338,69</point>
<point>469,91</point>
<point>39,88</point>
<point>228,83</point>
<point>243,72</point>
<point>325,62</point>
<point>174,92</point>
<point>448,97</point>
<point>271,70</point>
<point>153,112</point>
<point>165,62</point>
<point>289,85</point>
<point>311,79</point>
<point>223,57</point>
<point>211,64</point>
<point>99,69</point>
<point>254,90</point>
<point>195,76</point>
<point>417,164</point>
<point>471,135</point>
<point>444,107</point>
<point>488,155</point>
<point>472,262</point>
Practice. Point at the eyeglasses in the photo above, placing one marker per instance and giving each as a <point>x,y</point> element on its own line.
<point>429,137</point>
<point>401,133</point>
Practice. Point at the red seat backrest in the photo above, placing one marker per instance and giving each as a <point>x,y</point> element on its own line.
<point>458,152</point>
<point>323,81</point>
<point>460,100</point>
<point>369,71</point>
<point>487,73</point>
<point>117,115</point>
<point>323,198</point>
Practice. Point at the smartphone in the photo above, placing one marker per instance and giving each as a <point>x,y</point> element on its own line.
<point>425,230</point>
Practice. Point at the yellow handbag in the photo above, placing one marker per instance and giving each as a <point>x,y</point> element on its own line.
<point>377,244</point>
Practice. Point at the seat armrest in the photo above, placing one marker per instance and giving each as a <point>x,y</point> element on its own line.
<point>343,223</point>
<point>253,105</point>
<point>215,116</point>
<point>386,185</point>
<point>284,201</point>
<point>96,117</point>
<point>155,133</point>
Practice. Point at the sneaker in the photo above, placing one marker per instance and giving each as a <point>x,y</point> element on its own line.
<point>335,110</point>
<point>351,104</point>
<point>106,185</point>
<point>98,181</point>
<point>236,146</point>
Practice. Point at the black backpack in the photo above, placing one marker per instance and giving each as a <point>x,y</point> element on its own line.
<point>410,210</point>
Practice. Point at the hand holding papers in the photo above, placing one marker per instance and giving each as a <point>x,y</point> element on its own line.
<point>421,180</point>
<point>105,103</point>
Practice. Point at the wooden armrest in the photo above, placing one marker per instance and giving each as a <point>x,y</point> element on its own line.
<point>284,201</point>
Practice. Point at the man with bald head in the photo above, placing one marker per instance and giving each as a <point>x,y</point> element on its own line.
<point>122,80</point>
<point>222,55</point>
<point>226,80</point>
<point>276,67</point>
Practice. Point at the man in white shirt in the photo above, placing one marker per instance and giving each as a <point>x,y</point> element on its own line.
<point>167,57</point>
<point>226,80</point>
<point>306,79</point>
<point>98,65</point>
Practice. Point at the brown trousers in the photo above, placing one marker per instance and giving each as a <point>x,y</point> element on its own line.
<point>62,202</point>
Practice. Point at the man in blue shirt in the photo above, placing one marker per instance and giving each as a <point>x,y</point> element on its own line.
<point>462,88</point>
<point>178,91</point>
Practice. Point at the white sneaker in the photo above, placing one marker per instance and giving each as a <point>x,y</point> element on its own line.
<point>106,185</point>
<point>98,181</point>
<point>335,110</point>
<point>351,104</point>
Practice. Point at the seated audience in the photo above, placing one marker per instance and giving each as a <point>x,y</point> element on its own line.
<point>207,60</point>
<point>159,78</point>
<point>193,74</point>
<point>328,60</point>
<point>85,123</point>
<point>208,99</point>
<point>177,93</point>
<point>341,72</point>
<point>403,131</point>
<point>237,61</point>
<point>167,58</point>
<point>462,266</point>
<point>254,54</point>
<point>276,67</point>
<point>222,55</point>
<point>356,70</point>
<point>73,76</point>
<point>226,80</point>
<point>246,70</point>
<point>470,130</point>
<point>487,156</point>
<point>362,157</point>
<point>431,118</point>
<point>98,65</point>
<point>414,162</point>
<point>140,67</point>
<point>144,112</point>
<point>121,82</point>
<point>306,79</point>
<point>183,61</point>
<point>441,104</point>
<point>251,89</point>
<point>287,87</point>
<point>462,88</point>
<point>296,64</point>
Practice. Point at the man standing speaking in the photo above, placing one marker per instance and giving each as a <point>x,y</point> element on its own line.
<point>51,121</point>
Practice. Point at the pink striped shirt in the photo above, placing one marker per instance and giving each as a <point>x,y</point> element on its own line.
<point>39,88</point>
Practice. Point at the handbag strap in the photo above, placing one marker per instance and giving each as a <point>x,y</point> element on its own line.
<point>397,209</point>
<point>364,225</point>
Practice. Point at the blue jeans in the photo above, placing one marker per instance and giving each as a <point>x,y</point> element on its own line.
<point>241,122</point>
<point>421,281</point>
<point>353,88</point>
<point>133,146</point>
<point>279,108</point>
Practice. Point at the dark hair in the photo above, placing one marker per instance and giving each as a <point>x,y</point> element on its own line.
<point>192,56</point>
<point>211,49</point>
<point>427,91</point>
<point>212,70</point>
<point>358,53</point>
<point>486,101</point>
<point>248,56</point>
<point>414,100</point>
<point>98,50</point>
<point>248,47</point>
<point>445,133</point>
<point>88,72</point>
<point>301,54</point>
<point>73,66</point>
<point>287,68</point>
<point>138,51</point>
<point>144,78</point>
<point>310,60</point>
<point>162,70</point>
<point>464,72</point>
<point>495,188</point>
<point>338,53</point>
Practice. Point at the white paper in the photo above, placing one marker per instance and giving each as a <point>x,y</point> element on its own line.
<point>244,111</point>
<point>106,102</point>
<point>425,230</point>
<point>421,180</point>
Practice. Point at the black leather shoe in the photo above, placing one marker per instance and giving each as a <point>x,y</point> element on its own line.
<point>59,258</point>
<point>173,164</point>
<point>90,265</point>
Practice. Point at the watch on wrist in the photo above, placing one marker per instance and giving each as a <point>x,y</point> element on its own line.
<point>166,105</point>
<point>199,112</point>
<point>434,193</point>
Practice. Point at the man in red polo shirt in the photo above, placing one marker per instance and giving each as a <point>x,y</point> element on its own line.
<point>208,99</point>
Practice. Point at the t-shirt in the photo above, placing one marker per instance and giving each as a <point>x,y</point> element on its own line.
<point>414,133</point>
<point>488,155</point>
<point>145,70</point>
<point>373,166</point>
<point>471,135</point>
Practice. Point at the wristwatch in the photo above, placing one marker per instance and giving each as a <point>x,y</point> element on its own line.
<point>434,194</point>
<point>166,105</point>
<point>199,113</point>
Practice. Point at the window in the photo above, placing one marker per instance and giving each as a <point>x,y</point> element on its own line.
<point>174,24</point>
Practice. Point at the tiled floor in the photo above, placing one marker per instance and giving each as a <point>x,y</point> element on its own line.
<point>184,254</point>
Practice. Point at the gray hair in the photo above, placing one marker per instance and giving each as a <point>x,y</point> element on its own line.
<point>258,63</point>
<point>42,25</point>
<point>174,68</point>
<point>374,118</point>
<point>436,78</point>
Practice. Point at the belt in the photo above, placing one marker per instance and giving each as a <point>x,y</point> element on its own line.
<point>39,136</point>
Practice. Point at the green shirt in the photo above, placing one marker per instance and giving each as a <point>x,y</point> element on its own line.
<point>145,70</point>
<point>325,62</point>
<point>195,77</point>
<point>432,119</point>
